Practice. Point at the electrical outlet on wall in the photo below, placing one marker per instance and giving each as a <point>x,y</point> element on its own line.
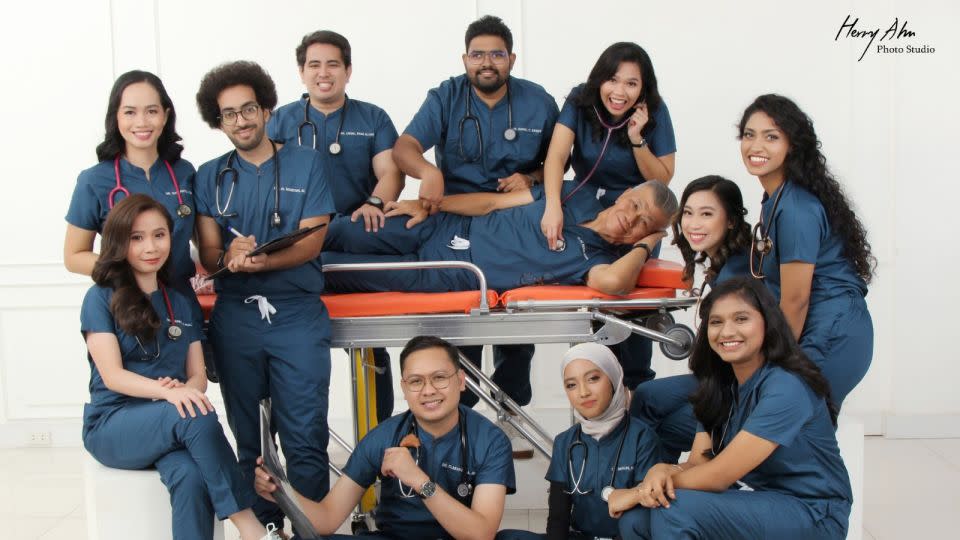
<point>40,438</point>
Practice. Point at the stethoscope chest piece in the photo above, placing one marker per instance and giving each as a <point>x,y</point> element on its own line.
<point>335,148</point>
<point>463,489</point>
<point>183,210</point>
<point>510,134</point>
<point>605,493</point>
<point>764,245</point>
<point>174,331</point>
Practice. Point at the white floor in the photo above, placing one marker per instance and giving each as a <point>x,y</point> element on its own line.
<point>910,492</point>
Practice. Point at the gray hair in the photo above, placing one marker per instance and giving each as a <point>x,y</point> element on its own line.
<point>663,197</point>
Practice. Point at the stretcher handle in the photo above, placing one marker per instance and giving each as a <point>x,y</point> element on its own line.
<point>641,330</point>
<point>597,303</point>
<point>485,396</point>
<point>419,265</point>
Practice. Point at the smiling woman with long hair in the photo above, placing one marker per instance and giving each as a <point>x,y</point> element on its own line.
<point>766,420</point>
<point>147,381</point>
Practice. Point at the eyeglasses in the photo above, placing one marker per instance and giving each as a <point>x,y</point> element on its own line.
<point>440,381</point>
<point>248,112</point>
<point>497,57</point>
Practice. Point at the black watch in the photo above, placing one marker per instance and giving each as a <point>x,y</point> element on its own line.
<point>375,202</point>
<point>428,489</point>
<point>641,144</point>
<point>643,246</point>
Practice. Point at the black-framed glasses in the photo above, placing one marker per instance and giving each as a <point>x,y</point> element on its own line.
<point>248,112</point>
<point>440,381</point>
<point>497,57</point>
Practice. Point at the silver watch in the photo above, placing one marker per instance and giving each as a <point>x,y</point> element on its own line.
<point>428,489</point>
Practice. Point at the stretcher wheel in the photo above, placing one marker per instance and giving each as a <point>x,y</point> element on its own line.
<point>680,333</point>
<point>659,322</point>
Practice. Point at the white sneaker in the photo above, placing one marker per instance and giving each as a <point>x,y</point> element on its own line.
<point>522,449</point>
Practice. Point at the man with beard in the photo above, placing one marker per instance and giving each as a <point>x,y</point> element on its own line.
<point>269,329</point>
<point>490,132</point>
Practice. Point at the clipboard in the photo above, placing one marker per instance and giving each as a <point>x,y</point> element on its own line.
<point>284,495</point>
<point>276,244</point>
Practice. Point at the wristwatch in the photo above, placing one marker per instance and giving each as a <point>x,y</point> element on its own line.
<point>641,144</point>
<point>375,201</point>
<point>428,489</point>
<point>643,246</point>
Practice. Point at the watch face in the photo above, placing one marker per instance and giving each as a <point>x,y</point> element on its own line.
<point>373,200</point>
<point>428,489</point>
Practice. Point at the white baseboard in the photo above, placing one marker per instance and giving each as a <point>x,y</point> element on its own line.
<point>922,426</point>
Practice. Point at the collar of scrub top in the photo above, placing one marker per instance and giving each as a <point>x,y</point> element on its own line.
<point>509,134</point>
<point>576,479</point>
<point>224,211</point>
<point>465,487</point>
<point>182,209</point>
<point>173,329</point>
<point>334,147</point>
<point>762,244</point>
<point>603,150</point>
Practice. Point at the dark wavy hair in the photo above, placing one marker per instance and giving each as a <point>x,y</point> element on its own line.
<point>420,343</point>
<point>325,37</point>
<point>715,379</point>
<point>239,73</point>
<point>130,307</point>
<point>113,145</point>
<point>806,166</point>
<point>605,68</point>
<point>737,237</point>
<point>488,25</point>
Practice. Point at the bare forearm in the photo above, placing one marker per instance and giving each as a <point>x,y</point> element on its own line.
<point>619,277</point>
<point>795,311</point>
<point>131,384</point>
<point>81,262</point>
<point>408,155</point>
<point>461,522</point>
<point>652,167</point>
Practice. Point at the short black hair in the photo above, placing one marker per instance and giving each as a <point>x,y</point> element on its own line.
<point>420,343</point>
<point>326,37</point>
<point>488,25</point>
<point>239,73</point>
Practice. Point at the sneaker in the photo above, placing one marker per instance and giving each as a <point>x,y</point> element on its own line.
<point>522,449</point>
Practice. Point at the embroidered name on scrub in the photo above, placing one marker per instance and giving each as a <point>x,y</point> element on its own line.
<point>289,189</point>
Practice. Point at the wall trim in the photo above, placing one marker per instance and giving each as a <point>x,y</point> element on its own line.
<point>922,426</point>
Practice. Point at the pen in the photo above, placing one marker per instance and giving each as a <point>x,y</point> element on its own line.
<point>235,232</point>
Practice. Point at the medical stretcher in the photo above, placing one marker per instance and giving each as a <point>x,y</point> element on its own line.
<point>534,314</point>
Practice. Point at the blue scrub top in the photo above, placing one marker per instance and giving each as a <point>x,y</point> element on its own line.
<point>142,359</point>
<point>641,450</point>
<point>489,462</point>
<point>510,248</point>
<point>736,265</point>
<point>618,170</point>
<point>777,405</point>
<point>90,202</point>
<point>437,124</point>
<point>367,131</point>
<point>303,194</point>
<point>801,233</point>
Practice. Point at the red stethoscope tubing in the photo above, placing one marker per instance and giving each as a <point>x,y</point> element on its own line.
<point>126,192</point>
<point>603,150</point>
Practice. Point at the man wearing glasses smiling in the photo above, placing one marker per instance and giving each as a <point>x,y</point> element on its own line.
<point>444,470</point>
<point>490,132</point>
<point>269,330</point>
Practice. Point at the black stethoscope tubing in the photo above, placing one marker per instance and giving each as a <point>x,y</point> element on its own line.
<point>275,220</point>
<point>586,454</point>
<point>334,147</point>
<point>509,134</point>
<point>173,330</point>
<point>465,487</point>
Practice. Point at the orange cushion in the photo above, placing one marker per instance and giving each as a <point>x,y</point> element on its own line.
<point>661,273</point>
<point>403,303</point>
<point>579,292</point>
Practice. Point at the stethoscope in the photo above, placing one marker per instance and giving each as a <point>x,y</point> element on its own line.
<point>334,147</point>
<point>603,150</point>
<point>509,134</point>
<point>576,479</point>
<point>762,243</point>
<point>173,330</point>
<point>275,220</point>
<point>465,487</point>
<point>183,210</point>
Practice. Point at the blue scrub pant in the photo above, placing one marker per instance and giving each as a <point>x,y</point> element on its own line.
<point>734,514</point>
<point>192,455</point>
<point>515,534</point>
<point>664,405</point>
<point>838,337</point>
<point>288,361</point>
<point>511,373</point>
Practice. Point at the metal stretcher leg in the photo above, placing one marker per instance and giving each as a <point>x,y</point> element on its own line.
<point>365,407</point>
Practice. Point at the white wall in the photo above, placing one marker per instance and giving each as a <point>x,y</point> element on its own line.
<point>887,125</point>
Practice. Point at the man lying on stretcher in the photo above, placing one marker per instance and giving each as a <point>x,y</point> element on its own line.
<point>500,233</point>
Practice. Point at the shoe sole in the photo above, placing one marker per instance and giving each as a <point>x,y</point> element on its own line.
<point>523,454</point>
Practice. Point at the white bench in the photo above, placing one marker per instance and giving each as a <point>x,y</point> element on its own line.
<point>128,504</point>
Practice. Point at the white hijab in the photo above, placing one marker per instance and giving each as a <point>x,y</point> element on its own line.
<point>603,358</point>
